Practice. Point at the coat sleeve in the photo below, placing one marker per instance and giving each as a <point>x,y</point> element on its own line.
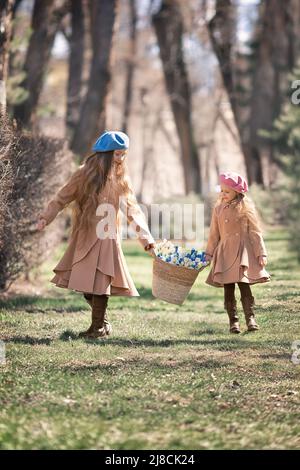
<point>61,199</point>
<point>136,218</point>
<point>214,234</point>
<point>256,239</point>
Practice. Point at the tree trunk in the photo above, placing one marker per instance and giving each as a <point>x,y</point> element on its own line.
<point>92,116</point>
<point>6,9</point>
<point>222,29</point>
<point>130,65</point>
<point>76,59</point>
<point>46,18</point>
<point>276,56</point>
<point>168,26</point>
<point>276,52</point>
<point>16,4</point>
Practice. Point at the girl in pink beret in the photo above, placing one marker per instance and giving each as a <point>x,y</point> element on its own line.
<point>236,249</point>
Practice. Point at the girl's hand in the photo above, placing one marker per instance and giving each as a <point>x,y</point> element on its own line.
<point>208,257</point>
<point>41,224</point>
<point>262,260</point>
<point>150,249</point>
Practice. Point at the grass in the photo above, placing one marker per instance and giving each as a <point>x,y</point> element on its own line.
<point>169,378</point>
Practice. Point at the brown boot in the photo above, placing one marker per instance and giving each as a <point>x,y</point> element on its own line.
<point>107,324</point>
<point>230,306</point>
<point>248,304</point>
<point>88,298</point>
<point>97,328</point>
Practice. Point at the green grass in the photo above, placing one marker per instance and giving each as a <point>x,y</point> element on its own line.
<point>169,378</point>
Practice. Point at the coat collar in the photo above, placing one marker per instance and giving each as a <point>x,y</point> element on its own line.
<point>232,204</point>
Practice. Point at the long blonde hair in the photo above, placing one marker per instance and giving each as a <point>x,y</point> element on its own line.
<point>246,211</point>
<point>91,177</point>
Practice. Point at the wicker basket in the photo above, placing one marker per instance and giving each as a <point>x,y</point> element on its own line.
<point>172,283</point>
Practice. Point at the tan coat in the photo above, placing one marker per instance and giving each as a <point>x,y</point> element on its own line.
<point>235,248</point>
<point>91,264</point>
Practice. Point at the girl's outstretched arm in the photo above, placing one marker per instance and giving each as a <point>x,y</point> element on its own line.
<point>61,199</point>
<point>137,220</point>
<point>214,235</point>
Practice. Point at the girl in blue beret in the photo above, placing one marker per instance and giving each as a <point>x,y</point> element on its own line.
<point>94,262</point>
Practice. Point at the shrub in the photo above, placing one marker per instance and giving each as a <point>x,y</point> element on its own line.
<point>32,168</point>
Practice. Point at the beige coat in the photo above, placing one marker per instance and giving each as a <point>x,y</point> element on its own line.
<point>235,248</point>
<point>91,264</point>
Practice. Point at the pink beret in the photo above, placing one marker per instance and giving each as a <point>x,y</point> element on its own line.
<point>234,181</point>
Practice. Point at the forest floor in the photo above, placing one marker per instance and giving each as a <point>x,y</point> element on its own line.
<point>169,377</point>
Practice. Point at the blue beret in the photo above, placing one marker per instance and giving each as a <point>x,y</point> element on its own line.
<point>111,140</point>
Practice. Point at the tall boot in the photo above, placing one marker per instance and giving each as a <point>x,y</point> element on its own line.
<point>88,298</point>
<point>107,325</point>
<point>97,329</point>
<point>248,304</point>
<point>230,307</point>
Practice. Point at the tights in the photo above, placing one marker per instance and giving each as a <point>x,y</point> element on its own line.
<point>229,290</point>
<point>89,297</point>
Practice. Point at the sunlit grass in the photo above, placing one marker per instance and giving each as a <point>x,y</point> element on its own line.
<point>170,377</point>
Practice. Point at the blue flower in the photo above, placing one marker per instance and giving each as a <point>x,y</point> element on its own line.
<point>190,258</point>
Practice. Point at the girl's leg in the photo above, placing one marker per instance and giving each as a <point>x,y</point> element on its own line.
<point>247,300</point>
<point>229,292</point>
<point>230,307</point>
<point>88,298</point>
<point>107,324</point>
<point>99,305</point>
<point>100,325</point>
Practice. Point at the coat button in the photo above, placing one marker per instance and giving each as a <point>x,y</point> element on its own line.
<point>226,220</point>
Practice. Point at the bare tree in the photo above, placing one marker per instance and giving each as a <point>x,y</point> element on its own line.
<point>222,28</point>
<point>275,57</point>
<point>76,60</point>
<point>16,5</point>
<point>92,116</point>
<point>257,101</point>
<point>168,25</point>
<point>130,64</point>
<point>6,11</point>
<point>46,18</point>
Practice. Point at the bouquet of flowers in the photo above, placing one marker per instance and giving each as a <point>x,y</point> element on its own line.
<point>174,254</point>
